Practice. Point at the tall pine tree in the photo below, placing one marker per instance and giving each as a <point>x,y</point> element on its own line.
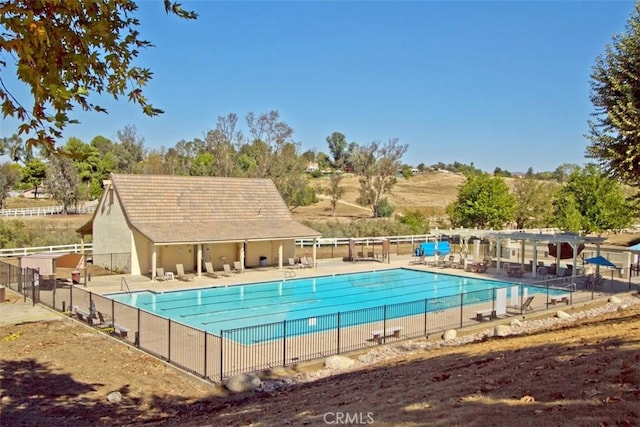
<point>614,131</point>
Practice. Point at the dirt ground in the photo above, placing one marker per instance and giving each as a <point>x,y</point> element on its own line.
<point>584,374</point>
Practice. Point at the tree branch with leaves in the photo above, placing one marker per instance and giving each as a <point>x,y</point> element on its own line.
<point>66,52</point>
<point>614,131</point>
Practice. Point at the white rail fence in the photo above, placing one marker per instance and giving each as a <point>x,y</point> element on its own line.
<point>19,252</point>
<point>301,243</point>
<point>44,211</point>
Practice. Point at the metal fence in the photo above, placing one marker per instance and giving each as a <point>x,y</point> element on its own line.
<point>25,281</point>
<point>283,343</point>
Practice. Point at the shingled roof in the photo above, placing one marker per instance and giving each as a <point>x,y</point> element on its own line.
<point>176,209</point>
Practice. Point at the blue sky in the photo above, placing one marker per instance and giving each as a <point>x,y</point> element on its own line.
<point>502,83</point>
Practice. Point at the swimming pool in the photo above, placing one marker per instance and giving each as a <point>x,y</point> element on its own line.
<point>215,309</point>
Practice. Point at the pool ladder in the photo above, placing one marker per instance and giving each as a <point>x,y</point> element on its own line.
<point>124,285</point>
<point>289,274</point>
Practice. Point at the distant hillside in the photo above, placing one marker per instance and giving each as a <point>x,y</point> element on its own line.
<point>430,192</point>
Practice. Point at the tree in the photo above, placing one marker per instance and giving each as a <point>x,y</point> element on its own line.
<point>563,171</point>
<point>534,202</point>
<point>154,163</point>
<point>9,177</point>
<point>337,143</point>
<point>530,173</point>
<point>129,150</point>
<point>498,171</point>
<point>597,199</point>
<point>62,181</point>
<point>13,147</point>
<point>376,166</point>
<point>567,213</point>
<point>484,202</point>
<point>287,172</point>
<point>614,131</point>
<point>86,159</point>
<point>67,51</point>
<point>416,221</point>
<point>385,208</point>
<point>33,174</point>
<point>335,191</point>
<point>406,171</point>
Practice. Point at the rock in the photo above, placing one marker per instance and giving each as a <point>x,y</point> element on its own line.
<point>338,362</point>
<point>243,382</point>
<point>501,331</point>
<point>515,323</point>
<point>615,300</point>
<point>114,397</point>
<point>562,315</point>
<point>449,335</point>
<point>622,307</point>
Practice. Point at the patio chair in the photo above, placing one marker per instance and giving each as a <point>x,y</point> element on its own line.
<point>454,261</point>
<point>304,262</point>
<point>208,265</point>
<point>237,267</point>
<point>526,305</point>
<point>162,275</point>
<point>226,268</point>
<point>293,263</point>
<point>181,274</point>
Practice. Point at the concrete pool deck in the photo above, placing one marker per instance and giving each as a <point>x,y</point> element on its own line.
<point>116,283</point>
<point>18,311</point>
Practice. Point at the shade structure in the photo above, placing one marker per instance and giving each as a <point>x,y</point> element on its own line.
<point>566,250</point>
<point>601,261</point>
<point>634,248</point>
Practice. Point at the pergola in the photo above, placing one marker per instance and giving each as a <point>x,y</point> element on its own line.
<point>574,240</point>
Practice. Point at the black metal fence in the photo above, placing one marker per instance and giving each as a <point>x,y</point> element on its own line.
<point>283,343</point>
<point>25,281</point>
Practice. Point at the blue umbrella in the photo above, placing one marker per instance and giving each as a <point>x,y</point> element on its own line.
<point>600,260</point>
<point>634,248</point>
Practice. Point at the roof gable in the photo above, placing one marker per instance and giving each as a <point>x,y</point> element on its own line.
<point>180,209</point>
<point>169,199</point>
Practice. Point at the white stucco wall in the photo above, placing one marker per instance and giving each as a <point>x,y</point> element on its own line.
<point>112,238</point>
<point>141,254</point>
<point>170,255</point>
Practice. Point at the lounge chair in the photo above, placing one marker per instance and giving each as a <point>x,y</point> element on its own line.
<point>237,267</point>
<point>208,265</point>
<point>293,263</point>
<point>526,305</point>
<point>454,261</point>
<point>304,262</point>
<point>227,270</point>
<point>181,274</point>
<point>162,275</point>
<point>593,280</point>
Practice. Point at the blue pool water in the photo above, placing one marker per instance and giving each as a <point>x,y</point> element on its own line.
<point>223,308</point>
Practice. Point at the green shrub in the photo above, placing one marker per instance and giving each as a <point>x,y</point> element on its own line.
<point>384,209</point>
<point>416,221</point>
